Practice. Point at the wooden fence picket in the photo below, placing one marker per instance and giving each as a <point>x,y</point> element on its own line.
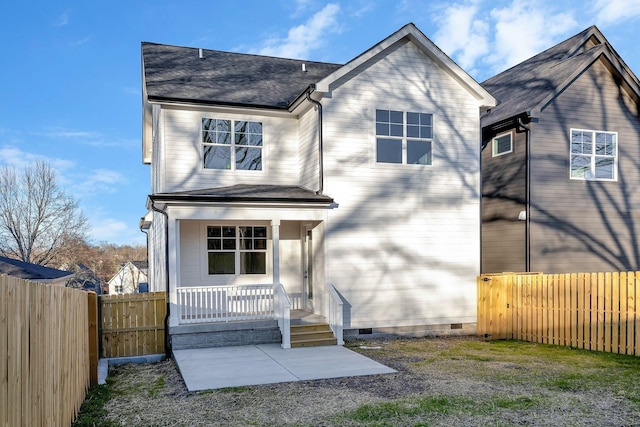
<point>595,311</point>
<point>44,354</point>
<point>132,324</point>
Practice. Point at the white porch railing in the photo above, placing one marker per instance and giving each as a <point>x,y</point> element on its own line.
<point>201,304</point>
<point>282,307</point>
<point>335,313</point>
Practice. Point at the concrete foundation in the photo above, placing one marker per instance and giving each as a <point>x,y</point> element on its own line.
<point>206,335</point>
<point>459,329</point>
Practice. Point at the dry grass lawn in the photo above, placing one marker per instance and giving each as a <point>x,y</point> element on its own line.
<point>440,382</point>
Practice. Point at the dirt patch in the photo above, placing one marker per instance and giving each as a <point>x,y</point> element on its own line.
<point>440,381</point>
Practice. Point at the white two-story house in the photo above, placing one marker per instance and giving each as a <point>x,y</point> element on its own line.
<point>348,190</point>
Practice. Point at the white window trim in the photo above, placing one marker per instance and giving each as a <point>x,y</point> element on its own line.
<point>233,119</point>
<point>404,139</point>
<point>237,278</point>
<point>615,156</point>
<point>494,144</point>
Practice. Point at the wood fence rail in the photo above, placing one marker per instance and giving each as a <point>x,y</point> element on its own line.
<point>44,353</point>
<point>132,324</point>
<point>594,311</point>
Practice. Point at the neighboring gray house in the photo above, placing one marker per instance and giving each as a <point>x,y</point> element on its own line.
<point>351,190</point>
<point>561,162</point>
<point>34,272</point>
<point>129,278</point>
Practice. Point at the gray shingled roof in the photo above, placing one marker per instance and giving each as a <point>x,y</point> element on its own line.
<point>25,270</point>
<point>525,87</point>
<point>174,73</point>
<point>247,193</point>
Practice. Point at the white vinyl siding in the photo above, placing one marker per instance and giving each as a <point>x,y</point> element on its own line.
<point>403,244</point>
<point>182,162</point>
<point>308,134</point>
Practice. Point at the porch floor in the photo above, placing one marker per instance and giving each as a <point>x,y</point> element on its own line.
<point>220,367</point>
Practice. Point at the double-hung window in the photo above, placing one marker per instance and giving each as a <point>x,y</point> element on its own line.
<point>594,155</point>
<point>232,144</point>
<point>404,138</point>
<point>233,250</point>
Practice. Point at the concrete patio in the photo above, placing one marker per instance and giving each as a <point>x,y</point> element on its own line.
<point>213,368</point>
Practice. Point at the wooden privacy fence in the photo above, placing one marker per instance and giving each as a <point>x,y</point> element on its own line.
<point>44,353</point>
<point>594,311</point>
<point>132,324</point>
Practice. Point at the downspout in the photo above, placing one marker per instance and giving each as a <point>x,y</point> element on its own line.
<point>527,237</point>
<point>146,233</point>
<point>320,139</point>
<point>167,349</point>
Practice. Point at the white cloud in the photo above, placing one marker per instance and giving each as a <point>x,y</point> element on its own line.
<point>478,34</point>
<point>15,157</point>
<point>62,19</point>
<point>106,229</point>
<point>101,177</point>
<point>614,11</point>
<point>91,138</point>
<point>359,9</point>
<point>462,35</point>
<point>304,38</point>
<point>82,41</point>
<point>525,28</point>
<point>78,182</point>
<point>83,184</point>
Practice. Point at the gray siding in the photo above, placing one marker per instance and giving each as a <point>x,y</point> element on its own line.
<point>503,198</point>
<point>586,225</point>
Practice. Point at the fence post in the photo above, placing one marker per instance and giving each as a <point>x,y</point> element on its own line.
<point>92,303</point>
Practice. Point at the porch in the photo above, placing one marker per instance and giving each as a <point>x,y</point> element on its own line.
<point>220,316</point>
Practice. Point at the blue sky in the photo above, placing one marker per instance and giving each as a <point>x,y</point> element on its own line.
<point>70,75</point>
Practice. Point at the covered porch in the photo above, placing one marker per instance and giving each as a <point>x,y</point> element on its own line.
<point>244,257</point>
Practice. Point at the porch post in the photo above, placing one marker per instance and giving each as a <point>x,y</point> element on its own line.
<point>173,243</point>
<point>275,238</point>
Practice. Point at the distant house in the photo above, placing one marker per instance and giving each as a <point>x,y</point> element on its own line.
<point>129,279</point>
<point>34,272</point>
<point>311,182</point>
<point>561,162</point>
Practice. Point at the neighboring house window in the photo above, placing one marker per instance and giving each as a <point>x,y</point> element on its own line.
<point>594,155</point>
<point>233,250</point>
<point>404,138</point>
<point>118,289</point>
<point>232,144</point>
<point>502,144</point>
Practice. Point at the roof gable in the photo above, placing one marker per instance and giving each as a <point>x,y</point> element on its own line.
<point>410,32</point>
<point>530,86</point>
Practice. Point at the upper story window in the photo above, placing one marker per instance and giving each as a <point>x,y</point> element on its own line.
<point>232,144</point>
<point>502,144</point>
<point>594,155</point>
<point>404,138</point>
<point>232,249</point>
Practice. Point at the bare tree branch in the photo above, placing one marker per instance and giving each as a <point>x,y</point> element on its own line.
<point>36,216</point>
